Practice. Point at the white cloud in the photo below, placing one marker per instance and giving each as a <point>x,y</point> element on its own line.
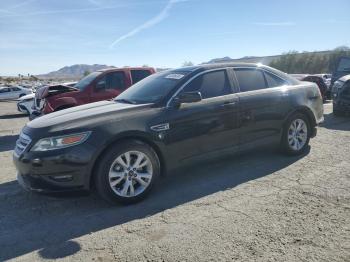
<point>153,21</point>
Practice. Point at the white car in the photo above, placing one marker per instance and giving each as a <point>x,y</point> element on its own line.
<point>25,104</point>
<point>13,92</point>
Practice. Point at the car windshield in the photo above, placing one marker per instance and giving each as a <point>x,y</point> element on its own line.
<point>151,89</point>
<point>84,82</point>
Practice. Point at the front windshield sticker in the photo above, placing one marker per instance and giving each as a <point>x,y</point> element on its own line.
<point>175,76</point>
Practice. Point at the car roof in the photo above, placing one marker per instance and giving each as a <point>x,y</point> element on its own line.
<point>218,65</point>
<point>124,68</point>
<point>204,67</point>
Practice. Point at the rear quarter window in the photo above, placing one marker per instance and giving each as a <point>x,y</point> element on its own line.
<point>274,81</point>
<point>250,79</point>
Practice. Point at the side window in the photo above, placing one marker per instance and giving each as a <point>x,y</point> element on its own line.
<point>211,84</point>
<point>4,90</point>
<point>114,80</point>
<point>274,81</point>
<point>138,75</point>
<point>250,79</point>
<point>344,65</point>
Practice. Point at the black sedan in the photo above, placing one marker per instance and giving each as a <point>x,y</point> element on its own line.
<point>122,147</point>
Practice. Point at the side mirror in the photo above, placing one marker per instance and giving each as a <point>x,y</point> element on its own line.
<point>188,97</point>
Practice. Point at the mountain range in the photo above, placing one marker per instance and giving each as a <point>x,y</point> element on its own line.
<point>73,71</point>
<point>77,71</point>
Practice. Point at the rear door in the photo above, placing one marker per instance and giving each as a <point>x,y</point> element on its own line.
<point>139,74</point>
<point>206,126</point>
<point>109,86</point>
<point>263,104</point>
<point>15,92</point>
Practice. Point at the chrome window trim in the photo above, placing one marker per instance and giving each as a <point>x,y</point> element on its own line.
<point>226,68</point>
<point>264,70</point>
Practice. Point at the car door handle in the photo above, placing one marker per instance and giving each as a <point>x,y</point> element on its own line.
<point>229,103</point>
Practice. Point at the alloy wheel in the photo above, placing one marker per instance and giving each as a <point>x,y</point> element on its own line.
<point>130,174</point>
<point>297,134</point>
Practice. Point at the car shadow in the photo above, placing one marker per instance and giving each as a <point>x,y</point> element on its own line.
<point>336,122</point>
<point>11,116</point>
<point>32,222</point>
<point>7,142</point>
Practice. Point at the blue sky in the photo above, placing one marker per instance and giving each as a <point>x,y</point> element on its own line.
<point>38,36</point>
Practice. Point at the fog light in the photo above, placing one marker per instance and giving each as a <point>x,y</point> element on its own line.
<point>62,178</point>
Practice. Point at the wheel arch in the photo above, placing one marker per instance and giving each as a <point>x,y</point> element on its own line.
<point>138,136</point>
<point>303,110</point>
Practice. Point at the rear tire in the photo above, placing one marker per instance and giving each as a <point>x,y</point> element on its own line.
<point>127,172</point>
<point>296,134</point>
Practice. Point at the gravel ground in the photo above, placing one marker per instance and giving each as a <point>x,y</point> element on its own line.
<point>260,206</point>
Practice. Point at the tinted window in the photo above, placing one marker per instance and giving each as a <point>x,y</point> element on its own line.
<point>344,65</point>
<point>15,89</point>
<point>274,81</point>
<point>138,75</point>
<point>114,80</point>
<point>4,90</point>
<point>152,89</point>
<point>210,84</point>
<point>250,79</point>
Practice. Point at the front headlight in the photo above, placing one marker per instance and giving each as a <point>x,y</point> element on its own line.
<point>58,142</point>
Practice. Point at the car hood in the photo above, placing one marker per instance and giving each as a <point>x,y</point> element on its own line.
<point>47,91</point>
<point>88,115</point>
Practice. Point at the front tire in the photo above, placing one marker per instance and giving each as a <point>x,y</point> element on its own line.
<point>296,134</point>
<point>127,172</point>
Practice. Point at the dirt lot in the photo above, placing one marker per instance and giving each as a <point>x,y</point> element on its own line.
<point>257,206</point>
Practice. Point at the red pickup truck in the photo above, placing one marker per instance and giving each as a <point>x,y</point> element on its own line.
<point>100,85</point>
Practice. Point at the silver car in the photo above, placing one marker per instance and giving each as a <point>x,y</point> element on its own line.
<point>13,92</point>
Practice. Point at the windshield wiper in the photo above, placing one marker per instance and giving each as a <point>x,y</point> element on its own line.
<point>125,101</point>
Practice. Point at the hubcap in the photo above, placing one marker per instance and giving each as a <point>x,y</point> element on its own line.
<point>130,174</point>
<point>297,134</point>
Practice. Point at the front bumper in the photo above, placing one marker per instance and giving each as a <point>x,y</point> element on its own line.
<point>66,169</point>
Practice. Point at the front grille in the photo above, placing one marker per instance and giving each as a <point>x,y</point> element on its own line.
<point>22,143</point>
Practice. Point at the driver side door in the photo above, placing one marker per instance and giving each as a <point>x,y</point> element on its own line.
<point>210,125</point>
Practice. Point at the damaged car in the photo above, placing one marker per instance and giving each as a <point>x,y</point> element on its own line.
<point>341,96</point>
<point>100,85</point>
